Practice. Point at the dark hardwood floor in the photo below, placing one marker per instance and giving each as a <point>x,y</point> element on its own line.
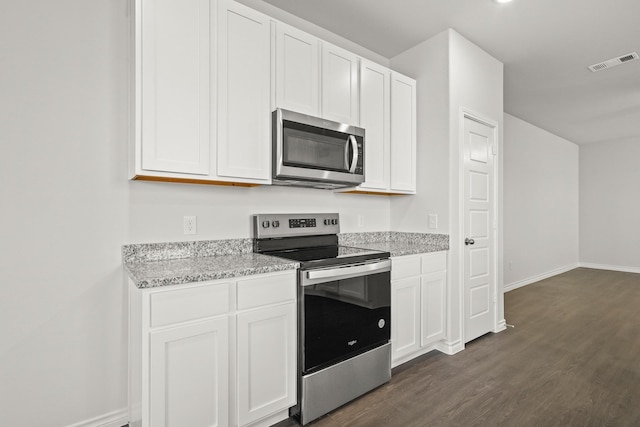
<point>573,359</point>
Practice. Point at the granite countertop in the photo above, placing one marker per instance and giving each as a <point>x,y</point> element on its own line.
<point>161,264</point>
<point>150,274</point>
<point>399,248</point>
<point>397,243</point>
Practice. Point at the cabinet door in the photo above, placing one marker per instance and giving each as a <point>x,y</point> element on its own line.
<point>433,307</point>
<point>266,361</point>
<point>244,140</point>
<point>405,316</point>
<point>375,118</point>
<point>297,70</point>
<point>403,133</point>
<point>189,375</point>
<point>339,85</point>
<point>173,63</point>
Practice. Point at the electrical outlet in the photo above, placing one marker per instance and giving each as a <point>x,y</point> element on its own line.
<point>190,225</point>
<point>360,220</point>
<point>433,221</point>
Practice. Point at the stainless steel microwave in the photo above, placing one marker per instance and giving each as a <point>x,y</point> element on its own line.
<point>312,152</point>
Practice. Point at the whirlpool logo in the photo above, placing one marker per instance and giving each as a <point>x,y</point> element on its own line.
<point>352,342</point>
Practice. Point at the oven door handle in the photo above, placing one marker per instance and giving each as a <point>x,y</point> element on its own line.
<point>351,270</point>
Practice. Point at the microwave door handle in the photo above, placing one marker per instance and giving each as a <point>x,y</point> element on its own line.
<point>354,149</point>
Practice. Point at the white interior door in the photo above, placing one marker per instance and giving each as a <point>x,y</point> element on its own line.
<point>479,249</point>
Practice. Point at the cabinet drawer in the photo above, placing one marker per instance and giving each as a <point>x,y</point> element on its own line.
<point>433,262</point>
<point>405,266</point>
<point>267,290</point>
<point>188,304</point>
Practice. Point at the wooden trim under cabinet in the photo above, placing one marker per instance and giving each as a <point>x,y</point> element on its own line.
<point>375,193</point>
<point>192,181</point>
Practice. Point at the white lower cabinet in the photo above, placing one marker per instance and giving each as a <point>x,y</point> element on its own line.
<point>189,365</point>
<point>266,352</point>
<point>218,353</point>
<point>418,302</point>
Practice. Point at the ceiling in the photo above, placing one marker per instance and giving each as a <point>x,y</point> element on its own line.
<point>545,45</point>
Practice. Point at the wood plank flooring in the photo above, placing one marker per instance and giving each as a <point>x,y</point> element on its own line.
<point>573,359</point>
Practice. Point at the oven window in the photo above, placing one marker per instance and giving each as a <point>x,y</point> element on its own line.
<point>344,318</point>
<point>315,148</point>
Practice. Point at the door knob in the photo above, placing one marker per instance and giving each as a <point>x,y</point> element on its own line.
<point>469,241</point>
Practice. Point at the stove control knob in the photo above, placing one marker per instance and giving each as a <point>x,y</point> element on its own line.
<point>265,224</point>
<point>275,224</point>
<point>334,221</point>
<point>327,221</point>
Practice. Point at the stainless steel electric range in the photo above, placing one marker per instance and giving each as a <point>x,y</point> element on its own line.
<point>344,309</point>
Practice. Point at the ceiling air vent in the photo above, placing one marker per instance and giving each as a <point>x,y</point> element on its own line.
<point>613,62</point>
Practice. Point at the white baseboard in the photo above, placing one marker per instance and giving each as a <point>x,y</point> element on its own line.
<point>112,419</point>
<point>537,278</point>
<point>501,326</point>
<point>610,267</point>
<point>450,347</point>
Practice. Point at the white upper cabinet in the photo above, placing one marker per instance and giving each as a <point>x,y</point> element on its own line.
<point>297,76</point>
<point>403,134</point>
<point>388,115</point>
<point>375,119</point>
<point>314,77</point>
<point>172,86</point>
<point>202,92</point>
<point>244,138</point>
<point>339,85</point>
<point>208,74</point>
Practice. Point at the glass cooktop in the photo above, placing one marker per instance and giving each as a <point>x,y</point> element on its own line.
<point>329,255</point>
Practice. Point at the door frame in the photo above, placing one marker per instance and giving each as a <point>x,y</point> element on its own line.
<point>499,323</point>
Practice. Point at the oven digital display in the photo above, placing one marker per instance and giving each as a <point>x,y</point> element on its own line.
<point>302,223</point>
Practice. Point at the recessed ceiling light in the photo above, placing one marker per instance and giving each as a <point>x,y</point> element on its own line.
<point>502,1</point>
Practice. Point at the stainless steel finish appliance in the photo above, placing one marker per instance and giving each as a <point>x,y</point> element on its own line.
<point>312,152</point>
<point>344,309</point>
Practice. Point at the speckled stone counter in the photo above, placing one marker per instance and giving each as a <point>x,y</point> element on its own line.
<point>397,243</point>
<point>161,264</point>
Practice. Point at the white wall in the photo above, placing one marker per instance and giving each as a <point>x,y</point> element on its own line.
<point>283,16</point>
<point>540,203</point>
<point>477,87</point>
<point>428,63</point>
<point>452,74</point>
<point>67,208</point>
<point>610,205</point>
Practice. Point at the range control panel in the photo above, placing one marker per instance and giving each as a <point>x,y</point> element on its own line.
<point>289,225</point>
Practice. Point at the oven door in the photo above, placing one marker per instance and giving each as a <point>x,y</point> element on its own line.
<point>344,311</point>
